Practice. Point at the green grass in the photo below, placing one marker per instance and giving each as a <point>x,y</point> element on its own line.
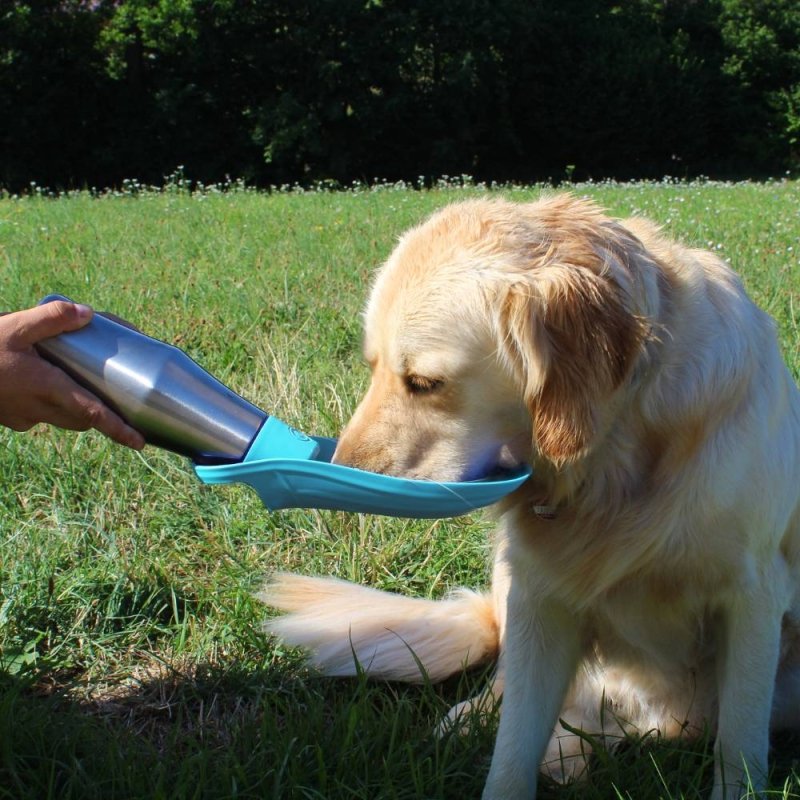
<point>132,662</point>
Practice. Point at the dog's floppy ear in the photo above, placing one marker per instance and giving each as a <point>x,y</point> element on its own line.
<point>571,340</point>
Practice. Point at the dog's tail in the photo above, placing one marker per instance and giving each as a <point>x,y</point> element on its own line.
<point>346,628</point>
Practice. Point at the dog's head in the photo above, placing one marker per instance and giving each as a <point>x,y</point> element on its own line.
<point>496,333</point>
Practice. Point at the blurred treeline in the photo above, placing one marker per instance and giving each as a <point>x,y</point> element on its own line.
<point>284,91</point>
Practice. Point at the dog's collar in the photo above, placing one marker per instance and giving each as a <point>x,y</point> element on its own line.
<point>545,512</point>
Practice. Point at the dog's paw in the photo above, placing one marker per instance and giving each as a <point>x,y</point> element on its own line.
<point>480,710</point>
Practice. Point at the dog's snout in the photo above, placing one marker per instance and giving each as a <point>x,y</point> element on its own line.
<point>342,454</point>
<point>352,451</point>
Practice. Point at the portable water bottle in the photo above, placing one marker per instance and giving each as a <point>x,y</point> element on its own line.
<point>157,389</point>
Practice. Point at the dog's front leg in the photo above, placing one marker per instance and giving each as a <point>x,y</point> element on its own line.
<point>746,669</point>
<point>542,651</point>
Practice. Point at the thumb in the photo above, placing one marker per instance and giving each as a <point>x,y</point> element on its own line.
<point>50,319</point>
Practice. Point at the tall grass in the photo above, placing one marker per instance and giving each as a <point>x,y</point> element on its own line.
<point>132,662</point>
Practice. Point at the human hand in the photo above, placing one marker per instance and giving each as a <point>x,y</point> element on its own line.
<point>33,390</point>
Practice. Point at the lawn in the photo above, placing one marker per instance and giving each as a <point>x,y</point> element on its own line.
<point>132,661</point>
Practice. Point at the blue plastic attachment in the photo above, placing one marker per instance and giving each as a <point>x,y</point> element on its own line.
<point>296,478</point>
<point>276,439</point>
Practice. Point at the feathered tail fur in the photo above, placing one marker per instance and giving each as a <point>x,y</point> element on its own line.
<point>346,628</point>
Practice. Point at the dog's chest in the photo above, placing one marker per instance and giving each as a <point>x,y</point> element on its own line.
<point>634,624</point>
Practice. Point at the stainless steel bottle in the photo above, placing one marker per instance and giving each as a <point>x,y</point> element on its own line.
<point>157,389</point>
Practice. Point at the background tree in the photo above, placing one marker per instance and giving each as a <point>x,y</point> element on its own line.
<point>277,91</point>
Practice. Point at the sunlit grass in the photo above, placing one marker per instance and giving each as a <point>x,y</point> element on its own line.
<point>133,659</point>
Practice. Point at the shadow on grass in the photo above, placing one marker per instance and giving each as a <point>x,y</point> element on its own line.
<point>208,732</point>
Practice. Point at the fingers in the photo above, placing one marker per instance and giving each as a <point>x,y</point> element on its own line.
<point>32,391</point>
<point>102,418</point>
<point>50,319</point>
<point>74,408</point>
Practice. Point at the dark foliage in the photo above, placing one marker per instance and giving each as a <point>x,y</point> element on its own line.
<point>284,91</point>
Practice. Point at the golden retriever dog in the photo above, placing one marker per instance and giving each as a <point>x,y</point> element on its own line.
<point>646,576</point>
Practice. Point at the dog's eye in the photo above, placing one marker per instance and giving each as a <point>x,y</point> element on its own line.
<point>417,384</point>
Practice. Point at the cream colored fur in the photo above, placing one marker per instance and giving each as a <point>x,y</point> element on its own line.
<point>650,396</point>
